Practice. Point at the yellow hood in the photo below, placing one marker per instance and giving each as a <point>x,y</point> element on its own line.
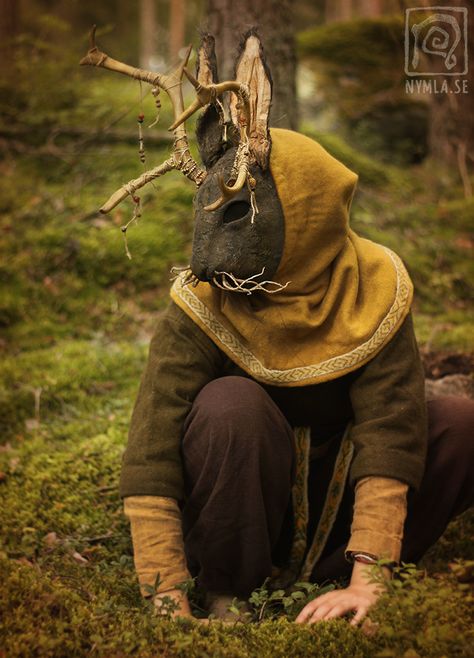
<point>346,298</point>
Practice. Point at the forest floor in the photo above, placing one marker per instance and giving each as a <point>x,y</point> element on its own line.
<point>76,317</point>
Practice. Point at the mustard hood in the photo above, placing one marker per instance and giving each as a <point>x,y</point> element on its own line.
<point>346,298</point>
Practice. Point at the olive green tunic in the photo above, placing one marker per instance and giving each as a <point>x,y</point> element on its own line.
<point>384,400</point>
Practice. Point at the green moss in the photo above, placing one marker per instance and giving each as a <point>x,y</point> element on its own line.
<point>425,617</point>
<point>69,379</point>
<point>452,331</point>
<point>64,256</point>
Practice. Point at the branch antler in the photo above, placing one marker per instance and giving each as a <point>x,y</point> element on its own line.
<point>181,158</point>
<point>206,94</point>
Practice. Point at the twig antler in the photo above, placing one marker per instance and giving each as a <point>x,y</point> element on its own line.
<point>208,94</point>
<point>181,158</point>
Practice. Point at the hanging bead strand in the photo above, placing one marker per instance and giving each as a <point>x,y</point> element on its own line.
<point>141,147</point>
<point>156,93</point>
<point>140,119</point>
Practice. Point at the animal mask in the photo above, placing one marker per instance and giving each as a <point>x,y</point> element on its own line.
<point>239,225</point>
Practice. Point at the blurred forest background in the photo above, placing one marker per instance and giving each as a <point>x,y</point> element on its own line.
<point>76,315</point>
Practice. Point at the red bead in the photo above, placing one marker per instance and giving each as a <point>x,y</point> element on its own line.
<point>136,199</point>
<point>141,117</point>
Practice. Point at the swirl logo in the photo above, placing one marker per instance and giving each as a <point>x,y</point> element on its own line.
<point>436,41</point>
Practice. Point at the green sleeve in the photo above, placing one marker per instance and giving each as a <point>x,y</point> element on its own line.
<point>181,361</point>
<point>390,421</point>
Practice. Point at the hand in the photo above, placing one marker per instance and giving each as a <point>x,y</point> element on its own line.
<point>358,597</point>
<point>163,600</point>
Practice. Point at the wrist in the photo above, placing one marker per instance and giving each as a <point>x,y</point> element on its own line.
<point>369,575</point>
<point>369,559</point>
<point>362,557</point>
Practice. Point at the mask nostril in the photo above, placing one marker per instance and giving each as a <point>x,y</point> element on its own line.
<point>236,210</point>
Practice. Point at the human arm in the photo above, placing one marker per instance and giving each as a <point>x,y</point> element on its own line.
<point>376,531</point>
<point>181,361</point>
<point>155,524</point>
<point>389,435</point>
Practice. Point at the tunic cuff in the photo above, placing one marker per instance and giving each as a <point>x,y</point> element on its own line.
<point>379,516</point>
<point>158,545</point>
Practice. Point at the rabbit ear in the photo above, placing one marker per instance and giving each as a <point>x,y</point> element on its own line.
<point>213,140</point>
<point>206,63</point>
<point>252,70</point>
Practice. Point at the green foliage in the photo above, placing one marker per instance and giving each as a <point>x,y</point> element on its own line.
<point>266,603</point>
<point>62,255</point>
<point>44,84</point>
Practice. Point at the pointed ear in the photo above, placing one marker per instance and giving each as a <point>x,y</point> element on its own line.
<point>206,63</point>
<point>209,127</point>
<point>251,69</point>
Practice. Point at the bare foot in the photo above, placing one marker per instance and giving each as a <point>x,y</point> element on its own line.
<point>218,605</point>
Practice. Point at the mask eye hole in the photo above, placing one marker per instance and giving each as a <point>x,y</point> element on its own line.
<point>235,211</point>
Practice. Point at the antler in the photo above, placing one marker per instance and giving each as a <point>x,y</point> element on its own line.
<point>208,94</point>
<point>239,174</point>
<point>181,158</point>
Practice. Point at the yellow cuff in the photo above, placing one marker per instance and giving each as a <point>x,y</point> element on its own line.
<point>379,516</point>
<point>157,538</point>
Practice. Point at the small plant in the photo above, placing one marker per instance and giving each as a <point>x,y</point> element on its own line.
<point>267,604</point>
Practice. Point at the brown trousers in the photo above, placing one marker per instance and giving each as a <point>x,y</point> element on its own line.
<point>238,458</point>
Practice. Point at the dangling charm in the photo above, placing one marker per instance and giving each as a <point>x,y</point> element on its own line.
<point>252,184</point>
<point>137,213</point>
<point>141,148</point>
<point>156,93</point>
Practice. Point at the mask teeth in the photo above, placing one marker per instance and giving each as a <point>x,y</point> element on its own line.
<point>227,281</point>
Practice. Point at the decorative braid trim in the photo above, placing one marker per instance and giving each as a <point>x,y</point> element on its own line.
<point>331,505</point>
<point>323,370</point>
<point>300,498</point>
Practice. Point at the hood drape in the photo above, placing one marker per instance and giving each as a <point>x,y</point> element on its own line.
<point>346,298</point>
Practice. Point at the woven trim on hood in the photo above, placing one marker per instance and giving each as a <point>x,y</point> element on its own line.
<point>323,371</point>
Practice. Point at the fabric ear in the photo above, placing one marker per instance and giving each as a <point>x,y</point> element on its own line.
<point>212,139</point>
<point>206,64</point>
<point>251,69</point>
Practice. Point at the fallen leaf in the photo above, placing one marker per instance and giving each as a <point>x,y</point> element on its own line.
<point>79,558</point>
<point>51,539</point>
<point>23,560</point>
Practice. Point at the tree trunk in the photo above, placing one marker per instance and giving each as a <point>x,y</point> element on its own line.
<point>338,10</point>
<point>451,130</point>
<point>370,8</point>
<point>228,21</point>
<point>9,27</point>
<point>147,33</point>
<point>177,28</point>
